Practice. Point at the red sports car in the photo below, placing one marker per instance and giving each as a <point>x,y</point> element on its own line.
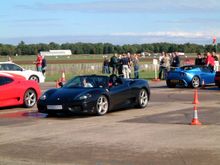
<point>16,90</point>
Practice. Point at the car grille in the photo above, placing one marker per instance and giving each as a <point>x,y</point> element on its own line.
<point>74,108</point>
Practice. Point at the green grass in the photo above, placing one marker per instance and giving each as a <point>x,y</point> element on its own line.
<point>72,57</point>
<point>145,74</point>
<point>49,58</point>
<point>148,75</point>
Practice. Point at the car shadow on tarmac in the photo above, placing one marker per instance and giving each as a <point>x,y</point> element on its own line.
<point>64,116</point>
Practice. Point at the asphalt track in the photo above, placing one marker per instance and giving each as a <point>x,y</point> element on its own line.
<point>159,134</point>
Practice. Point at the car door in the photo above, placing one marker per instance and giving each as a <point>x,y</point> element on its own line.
<point>207,74</point>
<point>120,93</point>
<point>8,92</point>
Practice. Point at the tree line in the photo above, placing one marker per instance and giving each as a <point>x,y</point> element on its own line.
<point>105,48</point>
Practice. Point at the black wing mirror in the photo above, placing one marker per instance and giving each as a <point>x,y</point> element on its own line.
<point>60,84</point>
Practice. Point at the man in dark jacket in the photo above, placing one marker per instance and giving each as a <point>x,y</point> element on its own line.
<point>199,60</point>
<point>175,60</point>
<point>44,65</point>
<point>114,63</point>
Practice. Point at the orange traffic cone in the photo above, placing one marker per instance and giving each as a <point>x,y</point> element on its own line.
<point>195,120</point>
<point>196,101</point>
<point>156,79</point>
<point>63,78</point>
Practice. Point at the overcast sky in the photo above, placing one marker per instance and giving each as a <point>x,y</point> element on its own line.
<point>114,21</point>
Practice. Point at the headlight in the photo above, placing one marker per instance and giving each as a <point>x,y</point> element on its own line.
<point>43,97</point>
<point>84,97</point>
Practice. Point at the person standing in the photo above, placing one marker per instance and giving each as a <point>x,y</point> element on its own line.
<point>105,68</point>
<point>125,66</point>
<point>129,63</point>
<point>38,62</point>
<point>9,59</point>
<point>175,61</point>
<point>135,62</point>
<point>216,66</point>
<point>166,65</point>
<point>120,73</point>
<point>199,60</point>
<point>210,61</point>
<point>162,67</point>
<point>114,63</point>
<point>44,65</point>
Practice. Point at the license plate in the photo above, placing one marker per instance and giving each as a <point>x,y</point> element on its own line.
<point>55,107</point>
<point>174,81</point>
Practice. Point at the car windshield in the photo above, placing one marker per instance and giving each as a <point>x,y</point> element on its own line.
<point>190,67</point>
<point>10,67</point>
<point>87,82</point>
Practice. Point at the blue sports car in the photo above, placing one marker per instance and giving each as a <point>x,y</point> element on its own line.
<point>95,94</point>
<point>190,75</point>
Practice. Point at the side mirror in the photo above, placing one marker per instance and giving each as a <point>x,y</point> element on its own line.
<point>60,84</point>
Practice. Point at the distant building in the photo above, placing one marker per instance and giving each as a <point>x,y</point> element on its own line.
<point>180,53</point>
<point>56,53</point>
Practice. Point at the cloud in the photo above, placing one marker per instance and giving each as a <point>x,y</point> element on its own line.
<point>33,20</point>
<point>121,38</point>
<point>130,6</point>
<point>189,35</point>
<point>36,20</point>
<point>192,21</point>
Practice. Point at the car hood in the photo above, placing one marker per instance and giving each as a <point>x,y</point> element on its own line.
<point>66,94</point>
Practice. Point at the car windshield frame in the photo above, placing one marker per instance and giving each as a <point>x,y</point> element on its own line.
<point>190,67</point>
<point>87,82</point>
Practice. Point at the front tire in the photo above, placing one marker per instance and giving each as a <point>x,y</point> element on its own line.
<point>34,78</point>
<point>30,98</point>
<point>102,105</point>
<point>195,82</point>
<point>142,100</point>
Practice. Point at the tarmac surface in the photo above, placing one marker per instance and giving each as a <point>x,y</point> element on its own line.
<point>158,134</point>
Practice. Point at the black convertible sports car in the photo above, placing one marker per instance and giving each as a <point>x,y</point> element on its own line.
<point>95,94</point>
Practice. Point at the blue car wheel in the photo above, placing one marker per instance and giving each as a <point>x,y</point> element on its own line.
<point>195,82</point>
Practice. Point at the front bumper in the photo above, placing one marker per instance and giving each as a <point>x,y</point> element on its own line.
<point>75,107</point>
<point>180,82</point>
